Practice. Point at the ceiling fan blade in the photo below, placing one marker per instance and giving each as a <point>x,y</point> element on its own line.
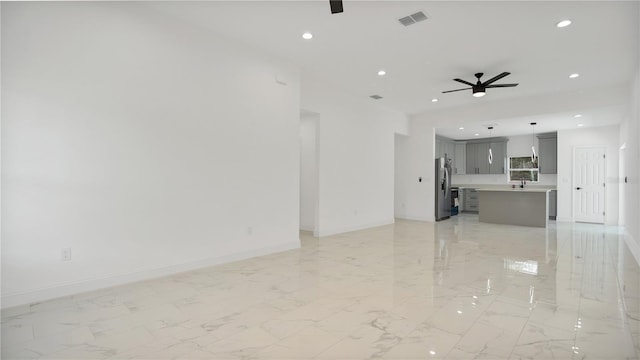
<point>336,6</point>
<point>464,82</point>
<point>501,85</point>
<point>448,91</point>
<point>496,78</point>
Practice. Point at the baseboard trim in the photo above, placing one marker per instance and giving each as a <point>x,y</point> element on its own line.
<point>306,228</point>
<point>633,246</point>
<point>415,218</point>
<point>563,219</point>
<point>346,229</point>
<point>78,287</point>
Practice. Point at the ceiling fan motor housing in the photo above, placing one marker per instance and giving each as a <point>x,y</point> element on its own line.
<point>478,90</point>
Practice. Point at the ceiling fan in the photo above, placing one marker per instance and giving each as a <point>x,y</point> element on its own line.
<point>480,87</point>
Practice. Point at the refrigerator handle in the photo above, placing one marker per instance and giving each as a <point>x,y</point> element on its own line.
<point>446,181</point>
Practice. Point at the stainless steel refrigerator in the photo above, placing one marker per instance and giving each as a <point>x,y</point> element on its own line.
<point>443,188</point>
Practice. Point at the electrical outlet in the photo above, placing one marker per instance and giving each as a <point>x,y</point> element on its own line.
<point>66,254</point>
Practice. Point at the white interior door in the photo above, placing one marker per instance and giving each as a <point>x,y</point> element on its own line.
<point>589,184</point>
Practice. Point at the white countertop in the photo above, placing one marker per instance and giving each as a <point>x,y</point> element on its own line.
<point>517,189</point>
<point>505,187</point>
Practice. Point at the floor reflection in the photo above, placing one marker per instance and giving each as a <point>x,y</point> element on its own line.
<point>456,289</point>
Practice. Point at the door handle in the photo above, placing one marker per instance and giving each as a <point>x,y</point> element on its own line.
<point>578,188</point>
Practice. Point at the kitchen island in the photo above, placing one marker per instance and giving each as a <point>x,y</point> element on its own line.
<point>526,207</point>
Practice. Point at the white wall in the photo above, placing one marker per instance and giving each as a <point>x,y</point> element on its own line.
<point>355,158</point>
<point>401,166</point>
<point>144,145</point>
<point>308,171</point>
<point>630,138</point>
<point>567,141</point>
<point>519,145</point>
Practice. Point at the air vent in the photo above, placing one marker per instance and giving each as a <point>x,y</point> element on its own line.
<point>413,18</point>
<point>376,97</point>
<point>406,21</point>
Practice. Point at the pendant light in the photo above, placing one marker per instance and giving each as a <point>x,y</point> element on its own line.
<point>533,139</point>
<point>490,152</point>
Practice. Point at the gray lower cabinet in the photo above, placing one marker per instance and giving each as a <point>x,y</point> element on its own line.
<point>548,153</point>
<point>553,204</point>
<point>471,202</point>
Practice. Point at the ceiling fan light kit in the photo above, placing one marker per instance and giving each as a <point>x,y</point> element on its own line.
<point>479,88</point>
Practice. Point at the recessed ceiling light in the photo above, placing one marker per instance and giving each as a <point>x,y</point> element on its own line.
<point>580,125</point>
<point>577,116</point>
<point>461,128</point>
<point>573,76</point>
<point>563,23</point>
<point>476,134</point>
<point>434,100</point>
<point>382,73</point>
<point>307,36</point>
<point>432,352</point>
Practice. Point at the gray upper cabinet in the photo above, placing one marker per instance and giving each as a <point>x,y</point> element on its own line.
<point>499,151</point>
<point>460,165</point>
<point>472,167</point>
<point>477,159</point>
<point>451,150</point>
<point>445,146</point>
<point>482,158</point>
<point>472,156</point>
<point>476,162</point>
<point>548,153</point>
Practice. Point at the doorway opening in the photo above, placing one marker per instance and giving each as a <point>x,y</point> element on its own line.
<point>309,171</point>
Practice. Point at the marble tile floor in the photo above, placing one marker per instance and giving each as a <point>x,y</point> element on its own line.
<point>456,289</point>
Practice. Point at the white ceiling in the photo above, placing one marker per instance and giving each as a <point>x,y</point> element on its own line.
<point>544,123</point>
<point>458,40</point>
